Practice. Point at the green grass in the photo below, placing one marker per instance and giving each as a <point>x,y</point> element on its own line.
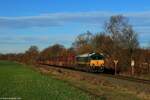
<point>18,80</point>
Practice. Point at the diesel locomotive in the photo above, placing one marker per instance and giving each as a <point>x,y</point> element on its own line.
<point>91,62</point>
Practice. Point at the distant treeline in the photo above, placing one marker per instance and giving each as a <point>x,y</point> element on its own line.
<point>118,41</point>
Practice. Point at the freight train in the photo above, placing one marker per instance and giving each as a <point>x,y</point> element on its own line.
<point>91,62</point>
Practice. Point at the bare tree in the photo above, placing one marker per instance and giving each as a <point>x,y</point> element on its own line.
<point>123,36</point>
<point>31,54</point>
<point>82,43</point>
<point>102,43</point>
<point>122,32</point>
<point>54,50</point>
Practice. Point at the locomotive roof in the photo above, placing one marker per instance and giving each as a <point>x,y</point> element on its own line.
<point>87,55</point>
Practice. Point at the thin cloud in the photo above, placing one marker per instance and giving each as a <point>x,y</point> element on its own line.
<point>34,39</point>
<point>58,19</point>
<point>143,30</point>
<point>22,40</point>
<point>26,22</point>
<point>139,20</point>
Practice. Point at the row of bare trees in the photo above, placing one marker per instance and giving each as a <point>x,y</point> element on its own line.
<point>32,55</point>
<point>118,41</point>
<point>29,57</point>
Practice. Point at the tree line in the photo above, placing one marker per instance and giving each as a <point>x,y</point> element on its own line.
<point>118,41</point>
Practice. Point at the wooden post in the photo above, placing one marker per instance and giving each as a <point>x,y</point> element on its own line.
<point>149,67</point>
<point>115,62</point>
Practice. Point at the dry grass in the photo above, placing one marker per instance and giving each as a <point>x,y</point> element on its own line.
<point>105,87</point>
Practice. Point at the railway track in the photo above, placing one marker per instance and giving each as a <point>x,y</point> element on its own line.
<point>132,79</point>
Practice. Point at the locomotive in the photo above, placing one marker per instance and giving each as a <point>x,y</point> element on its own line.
<point>91,62</point>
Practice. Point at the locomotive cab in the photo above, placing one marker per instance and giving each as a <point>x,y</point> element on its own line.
<point>92,61</point>
<point>97,60</point>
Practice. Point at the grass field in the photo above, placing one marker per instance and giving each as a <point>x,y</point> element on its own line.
<point>20,81</point>
<point>28,83</point>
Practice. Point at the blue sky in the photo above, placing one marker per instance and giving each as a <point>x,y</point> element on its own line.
<point>45,22</point>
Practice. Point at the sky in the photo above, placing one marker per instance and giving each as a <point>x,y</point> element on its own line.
<point>46,22</point>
